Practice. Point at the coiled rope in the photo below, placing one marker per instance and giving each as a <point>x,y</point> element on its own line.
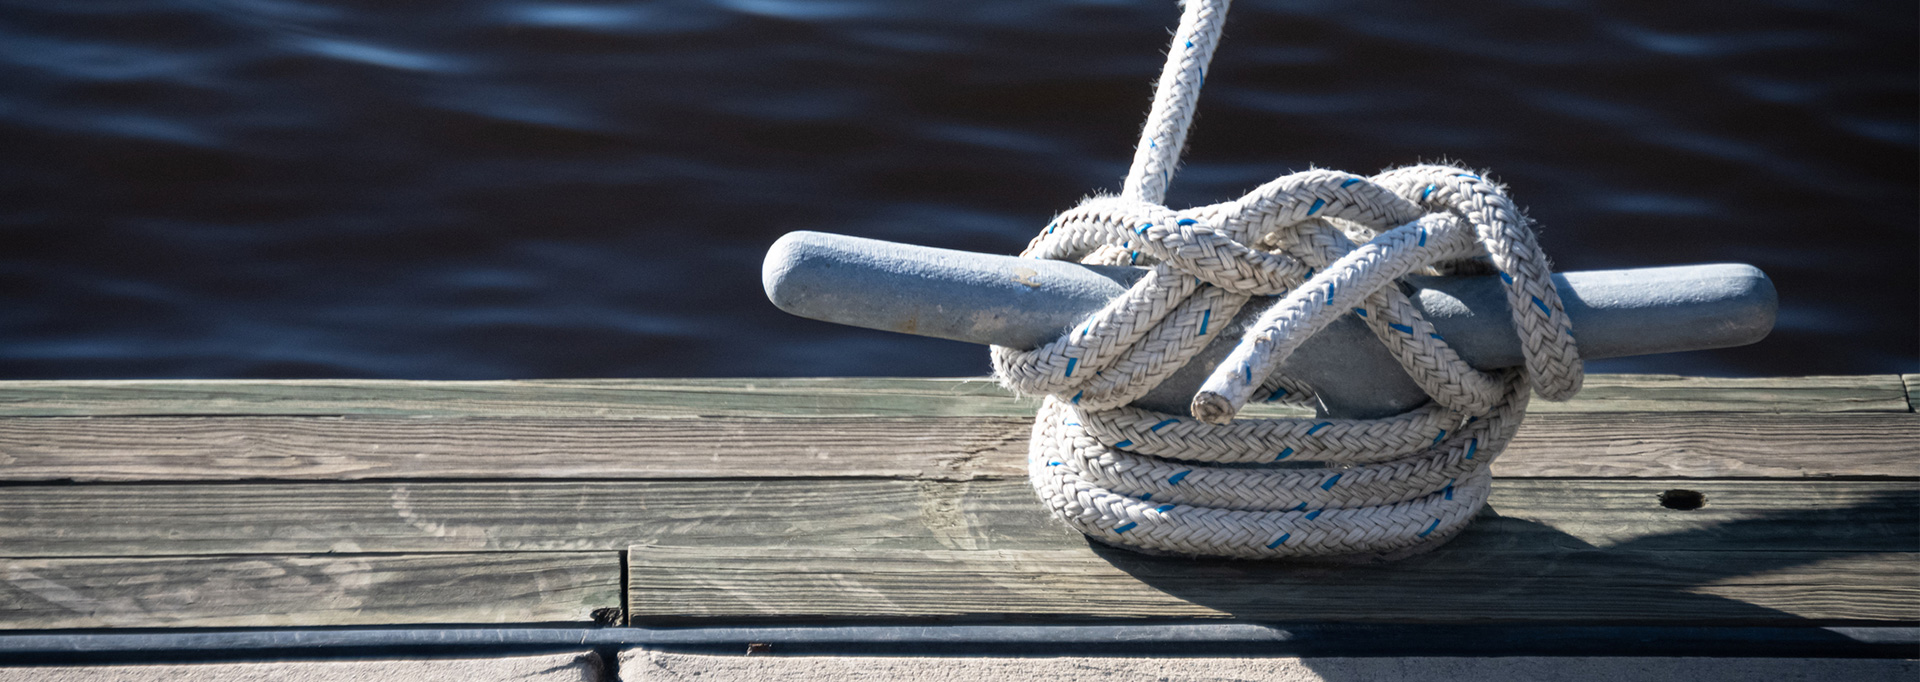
<point>1328,243</point>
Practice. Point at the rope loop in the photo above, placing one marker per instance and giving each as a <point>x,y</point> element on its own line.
<point>1327,244</point>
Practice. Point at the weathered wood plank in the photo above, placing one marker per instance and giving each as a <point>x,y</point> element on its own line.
<point>1670,393</point>
<point>1629,444</point>
<point>146,520</point>
<point>1912,382</point>
<point>648,398</point>
<point>334,448</point>
<point>1135,666</point>
<point>1713,445</point>
<point>618,398</point>
<point>274,591</point>
<point>1470,580</point>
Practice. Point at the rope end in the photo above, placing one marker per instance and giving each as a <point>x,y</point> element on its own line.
<point>1212,408</point>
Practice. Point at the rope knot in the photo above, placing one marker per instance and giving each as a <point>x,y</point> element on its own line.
<point>1296,237</point>
<point>1327,244</point>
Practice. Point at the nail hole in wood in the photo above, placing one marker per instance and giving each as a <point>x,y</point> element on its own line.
<point>1683,500</point>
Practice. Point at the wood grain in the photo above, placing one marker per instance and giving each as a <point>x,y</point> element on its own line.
<point>1714,445</point>
<point>854,514</point>
<point>1461,583</point>
<point>305,591</point>
<point>653,398</point>
<point>312,503</point>
<point>334,448</point>
<point>1628,444</point>
<point>607,398</point>
<point>1670,393</point>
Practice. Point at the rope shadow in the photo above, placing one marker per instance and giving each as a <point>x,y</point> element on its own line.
<point>1509,570</point>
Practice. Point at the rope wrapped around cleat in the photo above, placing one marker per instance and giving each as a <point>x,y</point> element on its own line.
<point>1328,244</point>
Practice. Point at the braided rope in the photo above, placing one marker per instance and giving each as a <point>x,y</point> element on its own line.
<point>1327,243</point>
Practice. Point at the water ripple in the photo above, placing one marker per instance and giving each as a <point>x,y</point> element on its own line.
<point>533,188</point>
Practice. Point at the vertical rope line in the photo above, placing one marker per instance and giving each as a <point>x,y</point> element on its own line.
<point>1165,134</point>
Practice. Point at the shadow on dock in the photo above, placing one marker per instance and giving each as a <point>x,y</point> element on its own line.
<point>1780,569</point>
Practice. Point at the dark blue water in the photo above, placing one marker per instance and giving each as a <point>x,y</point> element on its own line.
<point>497,189</point>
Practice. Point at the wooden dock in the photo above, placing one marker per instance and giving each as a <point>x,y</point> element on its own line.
<point>275,504</point>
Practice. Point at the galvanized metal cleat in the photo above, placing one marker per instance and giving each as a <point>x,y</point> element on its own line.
<point>1025,303</point>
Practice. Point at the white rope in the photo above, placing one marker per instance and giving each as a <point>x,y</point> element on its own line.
<point>1328,243</point>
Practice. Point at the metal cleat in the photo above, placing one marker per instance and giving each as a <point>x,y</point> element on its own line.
<point>1025,303</point>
